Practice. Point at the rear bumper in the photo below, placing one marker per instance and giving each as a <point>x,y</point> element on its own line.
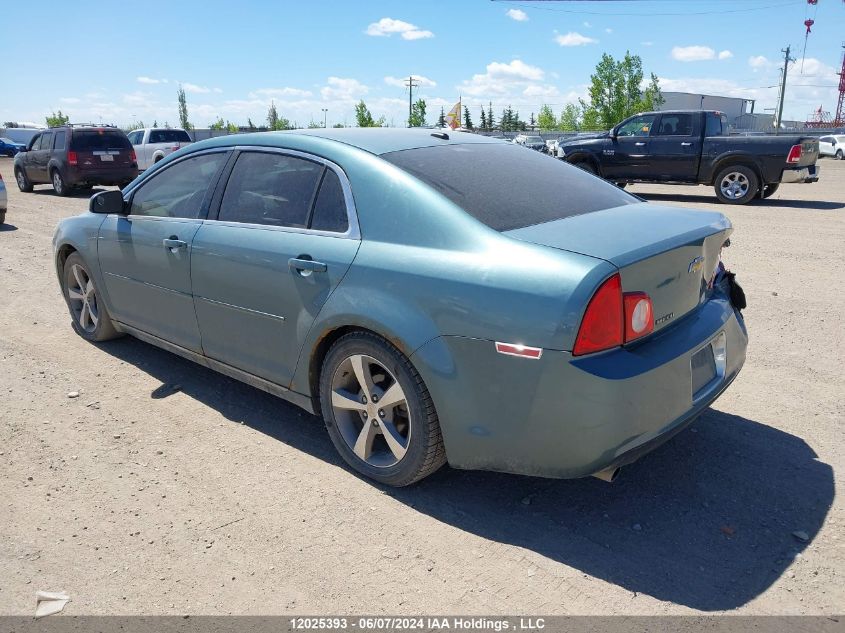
<point>116,176</point>
<point>566,417</point>
<point>804,174</point>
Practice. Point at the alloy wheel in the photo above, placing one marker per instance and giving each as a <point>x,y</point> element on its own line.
<point>82,296</point>
<point>58,185</point>
<point>21,179</point>
<point>735,185</point>
<point>371,411</point>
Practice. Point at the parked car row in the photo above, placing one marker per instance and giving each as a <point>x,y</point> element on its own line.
<point>76,156</point>
<point>833,146</point>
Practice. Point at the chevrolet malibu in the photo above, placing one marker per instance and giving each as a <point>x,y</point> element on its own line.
<point>436,297</point>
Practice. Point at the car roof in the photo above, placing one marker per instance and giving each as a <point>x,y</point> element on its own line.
<point>373,140</point>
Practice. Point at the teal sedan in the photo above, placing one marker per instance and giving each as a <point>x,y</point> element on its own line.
<point>436,297</point>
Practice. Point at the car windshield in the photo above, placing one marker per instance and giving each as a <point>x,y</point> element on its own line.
<point>91,140</point>
<point>6,140</point>
<point>507,188</point>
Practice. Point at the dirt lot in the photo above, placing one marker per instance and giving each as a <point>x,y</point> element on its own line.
<point>166,488</point>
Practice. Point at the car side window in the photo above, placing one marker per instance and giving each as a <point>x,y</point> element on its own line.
<point>35,142</point>
<point>179,190</point>
<point>638,126</point>
<point>134,137</point>
<point>675,125</point>
<point>46,140</point>
<point>271,189</point>
<point>60,140</point>
<point>330,208</point>
<point>155,136</point>
<point>714,125</point>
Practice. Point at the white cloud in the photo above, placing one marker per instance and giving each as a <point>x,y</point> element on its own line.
<point>195,89</point>
<point>588,25</point>
<point>725,55</point>
<point>692,53</point>
<point>136,98</point>
<point>503,80</point>
<point>608,31</point>
<point>517,14</point>
<point>218,90</point>
<point>388,26</point>
<point>279,92</point>
<point>647,43</point>
<point>574,39</point>
<point>759,62</point>
<point>150,80</point>
<point>342,89</point>
<point>399,82</point>
<point>70,100</point>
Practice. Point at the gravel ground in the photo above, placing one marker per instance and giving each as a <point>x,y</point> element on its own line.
<point>164,488</point>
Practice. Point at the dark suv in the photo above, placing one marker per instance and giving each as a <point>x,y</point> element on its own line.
<point>76,156</point>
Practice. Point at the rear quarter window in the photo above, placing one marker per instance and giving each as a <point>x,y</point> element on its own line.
<point>169,136</point>
<point>506,187</point>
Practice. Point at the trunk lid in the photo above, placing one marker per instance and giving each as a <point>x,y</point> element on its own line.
<point>809,151</point>
<point>669,253</point>
<point>101,149</point>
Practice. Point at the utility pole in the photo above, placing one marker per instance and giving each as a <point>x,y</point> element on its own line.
<point>779,116</point>
<point>411,84</point>
<point>325,110</point>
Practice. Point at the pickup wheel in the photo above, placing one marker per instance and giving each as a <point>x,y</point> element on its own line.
<point>770,190</point>
<point>736,184</point>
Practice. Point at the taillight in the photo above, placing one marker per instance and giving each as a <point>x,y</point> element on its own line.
<point>639,315</point>
<point>602,326</point>
<point>613,318</point>
<point>72,158</point>
<point>794,154</point>
<point>132,156</point>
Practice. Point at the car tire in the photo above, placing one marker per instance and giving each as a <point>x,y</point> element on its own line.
<point>769,190</point>
<point>2,218</point>
<point>396,445</point>
<point>59,185</point>
<point>586,166</point>
<point>839,155</point>
<point>89,315</point>
<point>23,182</point>
<point>736,184</point>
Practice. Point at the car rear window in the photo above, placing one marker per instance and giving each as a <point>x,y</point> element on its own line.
<point>92,140</point>
<point>169,136</point>
<point>506,187</point>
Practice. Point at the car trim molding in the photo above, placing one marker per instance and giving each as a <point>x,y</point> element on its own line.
<point>234,307</point>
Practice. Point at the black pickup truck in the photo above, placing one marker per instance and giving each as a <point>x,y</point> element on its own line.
<point>694,146</point>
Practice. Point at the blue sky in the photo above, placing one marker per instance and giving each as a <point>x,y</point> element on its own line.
<point>122,62</point>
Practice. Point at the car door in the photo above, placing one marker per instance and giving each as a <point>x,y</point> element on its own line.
<point>28,160</point>
<point>41,157</point>
<point>135,138</point>
<point>145,255</point>
<point>826,146</point>
<point>626,156</point>
<point>283,238</point>
<point>674,147</point>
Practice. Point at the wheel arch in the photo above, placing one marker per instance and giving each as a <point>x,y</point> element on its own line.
<point>737,160</point>
<point>584,157</point>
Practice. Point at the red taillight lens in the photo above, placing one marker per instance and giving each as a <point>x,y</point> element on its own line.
<point>132,156</point>
<point>794,154</point>
<point>602,326</point>
<point>72,158</point>
<point>639,315</point>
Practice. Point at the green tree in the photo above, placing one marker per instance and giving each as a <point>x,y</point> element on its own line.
<point>137,125</point>
<point>250,124</point>
<point>483,119</point>
<point>569,117</point>
<point>338,125</point>
<point>218,124</point>
<point>272,116</point>
<point>468,119</point>
<point>417,118</point>
<point>155,122</point>
<point>57,119</point>
<point>616,92</point>
<point>183,109</point>
<point>441,120</point>
<point>491,122</point>
<point>532,121</point>
<point>363,117</point>
<point>547,120</point>
<point>231,127</point>
<point>313,125</point>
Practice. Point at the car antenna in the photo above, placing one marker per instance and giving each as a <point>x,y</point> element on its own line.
<point>440,135</point>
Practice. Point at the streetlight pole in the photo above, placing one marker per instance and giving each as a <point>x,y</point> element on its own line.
<point>325,110</point>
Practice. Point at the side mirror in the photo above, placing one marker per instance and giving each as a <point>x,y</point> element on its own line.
<point>107,202</point>
<point>613,134</point>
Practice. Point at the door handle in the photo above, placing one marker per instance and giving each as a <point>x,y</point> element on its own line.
<point>638,144</point>
<point>174,243</point>
<point>685,144</point>
<point>304,264</point>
